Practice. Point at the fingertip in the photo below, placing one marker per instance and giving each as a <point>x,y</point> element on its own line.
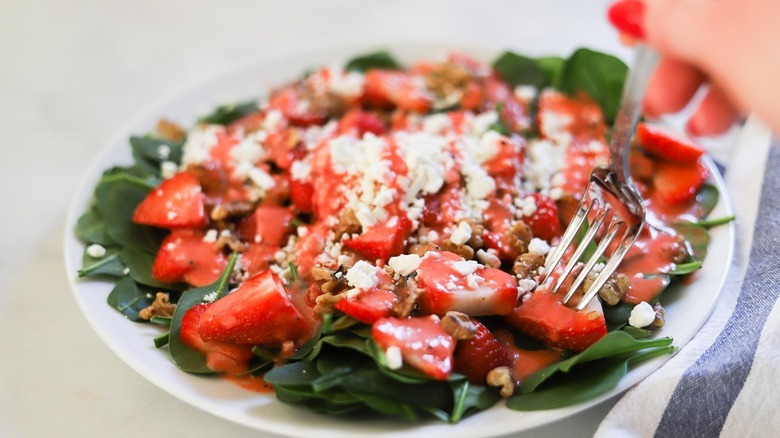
<point>715,115</point>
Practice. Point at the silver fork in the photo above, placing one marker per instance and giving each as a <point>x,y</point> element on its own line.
<point>610,195</point>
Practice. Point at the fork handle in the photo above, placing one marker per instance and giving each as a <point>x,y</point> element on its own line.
<point>645,60</point>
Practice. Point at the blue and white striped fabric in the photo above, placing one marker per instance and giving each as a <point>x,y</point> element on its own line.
<point>726,381</point>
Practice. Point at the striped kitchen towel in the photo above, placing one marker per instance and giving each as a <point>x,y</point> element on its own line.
<point>726,381</point>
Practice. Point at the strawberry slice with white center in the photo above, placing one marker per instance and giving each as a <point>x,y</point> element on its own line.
<point>449,282</point>
<point>664,142</point>
<point>368,306</point>
<point>545,318</point>
<point>176,203</point>
<point>423,343</point>
<point>259,312</point>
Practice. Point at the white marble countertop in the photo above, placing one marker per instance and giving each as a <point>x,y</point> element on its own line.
<point>75,72</point>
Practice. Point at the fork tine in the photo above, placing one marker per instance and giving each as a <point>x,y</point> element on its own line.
<point>626,241</point>
<point>598,220</point>
<point>566,239</point>
<point>611,232</point>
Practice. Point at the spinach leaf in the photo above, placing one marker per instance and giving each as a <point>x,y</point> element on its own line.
<point>130,298</point>
<point>470,398</point>
<point>590,381</point>
<point>685,268</point>
<point>598,75</point>
<point>110,265</point>
<point>146,152</point>
<point>227,114</point>
<point>552,66</point>
<point>614,344</point>
<point>91,228</point>
<point>618,314</point>
<point>117,195</point>
<point>709,223</point>
<point>520,70</point>
<point>185,358</point>
<point>697,238</point>
<point>707,198</point>
<point>379,60</point>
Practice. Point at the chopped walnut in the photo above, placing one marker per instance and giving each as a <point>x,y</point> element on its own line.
<point>458,325</point>
<point>613,290</point>
<point>161,306</point>
<point>659,320</point>
<point>448,78</point>
<point>319,273</point>
<point>501,377</point>
<point>226,239</point>
<point>408,292</point>
<point>421,249</point>
<point>325,302</point>
<point>170,131</point>
<point>348,224</point>
<point>528,264</point>
<point>476,241</point>
<point>520,236</point>
<point>464,250</point>
<point>231,209</point>
<point>324,102</point>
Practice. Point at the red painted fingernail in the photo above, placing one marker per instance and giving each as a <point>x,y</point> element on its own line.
<point>628,17</point>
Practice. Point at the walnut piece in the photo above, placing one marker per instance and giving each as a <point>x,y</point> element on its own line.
<point>458,325</point>
<point>231,209</point>
<point>527,265</point>
<point>170,131</point>
<point>501,377</point>
<point>659,320</point>
<point>161,306</point>
<point>613,290</point>
<point>348,224</point>
<point>408,292</point>
<point>464,250</point>
<point>448,78</point>
<point>520,236</point>
<point>325,302</point>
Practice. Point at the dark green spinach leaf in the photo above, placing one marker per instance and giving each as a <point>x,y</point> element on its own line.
<point>130,298</point>
<point>226,114</point>
<point>520,70</point>
<point>598,75</point>
<point>379,60</point>
<point>110,265</point>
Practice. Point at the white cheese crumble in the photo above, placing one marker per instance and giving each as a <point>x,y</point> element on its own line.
<point>394,358</point>
<point>461,234</point>
<point>272,120</point>
<point>247,153</point>
<point>210,236</point>
<point>210,297</point>
<point>488,258</point>
<point>465,267</point>
<point>538,245</point>
<point>482,122</point>
<point>473,281</point>
<point>489,145</point>
<point>526,205</point>
<point>164,151</point>
<point>525,93</point>
<point>199,143</point>
<point>543,160</point>
<point>363,275</point>
<point>436,124</point>
<point>525,285</point>
<point>404,264</point>
<point>168,169</point>
<point>96,251</point>
<point>642,315</point>
<point>300,170</point>
<point>346,83</point>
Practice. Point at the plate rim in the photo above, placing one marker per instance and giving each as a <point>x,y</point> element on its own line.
<point>81,199</point>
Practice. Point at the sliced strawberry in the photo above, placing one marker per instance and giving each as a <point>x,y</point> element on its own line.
<point>677,183</point>
<point>283,147</point>
<point>579,118</point>
<point>641,166</point>
<point>185,256</point>
<point>581,159</point>
<point>449,282</point>
<point>424,344</point>
<point>259,312</point>
<point>545,318</point>
<point>359,122</point>
<point>544,222</point>
<point>369,305</point>
<point>268,225</point>
<point>667,143</point>
<point>176,203</point>
<point>477,356</point>
<point>257,257</point>
<point>508,160</point>
<point>295,108</point>
<point>395,88</point>
<point>220,356</point>
<point>301,194</point>
<point>383,240</point>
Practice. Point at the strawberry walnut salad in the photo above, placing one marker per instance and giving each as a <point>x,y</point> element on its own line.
<point>369,237</point>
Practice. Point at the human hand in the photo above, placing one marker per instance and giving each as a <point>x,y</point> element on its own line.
<point>729,45</point>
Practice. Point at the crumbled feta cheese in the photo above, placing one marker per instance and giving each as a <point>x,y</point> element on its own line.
<point>302,231</point>
<point>525,285</point>
<point>489,145</point>
<point>461,234</point>
<point>436,124</point>
<point>96,251</point>
<point>642,315</point>
<point>168,169</point>
<point>353,293</point>
<point>394,358</point>
<point>404,264</point>
<point>526,205</point>
<point>164,151</point>
<point>483,122</point>
<point>363,275</point>
<point>210,236</point>
<point>348,84</point>
<point>272,120</point>
<point>473,280</point>
<point>538,245</point>
<point>466,267</point>
<point>199,143</point>
<point>556,193</point>
<point>300,170</point>
<point>210,297</point>
<point>525,93</point>
<point>488,258</point>
<point>544,159</point>
<point>247,153</point>
<point>126,271</point>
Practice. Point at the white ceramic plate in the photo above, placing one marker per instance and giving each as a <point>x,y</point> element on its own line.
<point>686,309</point>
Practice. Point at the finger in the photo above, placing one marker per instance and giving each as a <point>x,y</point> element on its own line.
<point>671,87</point>
<point>680,28</point>
<point>714,116</point>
